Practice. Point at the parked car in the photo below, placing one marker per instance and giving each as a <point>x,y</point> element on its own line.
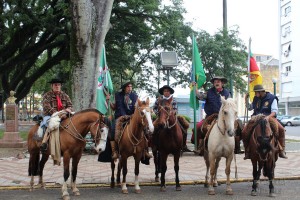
<point>281,117</point>
<point>292,121</point>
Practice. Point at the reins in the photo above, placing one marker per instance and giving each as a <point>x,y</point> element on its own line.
<point>168,117</point>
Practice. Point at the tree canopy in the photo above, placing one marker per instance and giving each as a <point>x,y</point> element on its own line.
<point>35,44</point>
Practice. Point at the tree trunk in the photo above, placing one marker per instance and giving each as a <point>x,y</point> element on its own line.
<point>90,25</point>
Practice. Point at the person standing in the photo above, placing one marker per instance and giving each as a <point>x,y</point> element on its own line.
<point>53,101</point>
<point>267,104</point>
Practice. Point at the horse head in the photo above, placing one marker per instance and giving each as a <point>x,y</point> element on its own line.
<point>167,115</point>
<point>263,135</point>
<point>227,116</point>
<point>144,111</point>
<point>99,131</point>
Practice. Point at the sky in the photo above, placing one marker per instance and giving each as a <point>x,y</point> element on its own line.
<point>257,19</point>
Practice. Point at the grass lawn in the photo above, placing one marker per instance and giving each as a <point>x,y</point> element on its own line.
<point>23,134</point>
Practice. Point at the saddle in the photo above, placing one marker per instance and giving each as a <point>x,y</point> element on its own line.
<point>120,126</point>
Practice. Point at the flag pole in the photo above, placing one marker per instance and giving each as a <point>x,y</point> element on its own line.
<point>194,97</point>
<point>248,82</point>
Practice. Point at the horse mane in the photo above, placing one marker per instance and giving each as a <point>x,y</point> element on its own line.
<point>231,102</point>
<point>88,110</point>
<point>256,118</point>
<point>183,122</point>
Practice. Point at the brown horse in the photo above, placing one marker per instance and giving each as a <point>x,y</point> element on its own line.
<point>262,152</point>
<point>132,141</point>
<point>168,139</point>
<point>72,132</point>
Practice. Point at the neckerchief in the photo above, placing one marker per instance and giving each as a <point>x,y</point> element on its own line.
<point>167,98</point>
<point>59,103</point>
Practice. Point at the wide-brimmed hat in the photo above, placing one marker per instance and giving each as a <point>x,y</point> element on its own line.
<point>223,79</point>
<point>56,80</point>
<point>259,88</point>
<point>125,85</point>
<point>161,90</point>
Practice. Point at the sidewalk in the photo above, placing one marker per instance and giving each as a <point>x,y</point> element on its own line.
<point>14,172</point>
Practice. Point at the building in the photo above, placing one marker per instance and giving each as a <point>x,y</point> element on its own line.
<point>289,59</point>
<point>183,103</point>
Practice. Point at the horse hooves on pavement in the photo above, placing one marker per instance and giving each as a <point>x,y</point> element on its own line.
<point>211,192</point>
<point>77,193</point>
<point>178,188</point>
<point>138,191</point>
<point>66,197</point>
<point>229,192</point>
<point>272,194</point>
<point>125,191</point>
<point>253,193</point>
<point>163,189</point>
<point>156,179</point>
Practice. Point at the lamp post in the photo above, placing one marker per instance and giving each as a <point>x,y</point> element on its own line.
<point>168,61</point>
<point>274,80</point>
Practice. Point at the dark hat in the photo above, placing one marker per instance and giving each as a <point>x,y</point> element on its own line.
<point>56,80</point>
<point>161,90</point>
<point>224,80</point>
<point>125,85</point>
<point>259,88</point>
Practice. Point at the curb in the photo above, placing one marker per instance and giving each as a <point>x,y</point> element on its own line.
<point>97,185</point>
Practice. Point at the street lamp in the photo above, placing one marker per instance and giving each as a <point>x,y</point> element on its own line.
<point>168,61</point>
<point>274,80</point>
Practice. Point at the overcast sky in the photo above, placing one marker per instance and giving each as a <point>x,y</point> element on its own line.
<point>257,19</point>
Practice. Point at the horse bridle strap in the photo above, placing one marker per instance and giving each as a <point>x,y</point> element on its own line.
<point>168,116</point>
<point>75,134</point>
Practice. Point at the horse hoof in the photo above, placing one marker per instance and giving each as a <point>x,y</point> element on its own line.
<point>215,184</point>
<point>77,193</point>
<point>138,191</point>
<point>211,192</point>
<point>253,193</point>
<point>206,185</point>
<point>156,179</point>
<point>125,191</point>
<point>272,194</point>
<point>66,197</point>
<point>178,188</point>
<point>163,189</point>
<point>229,192</point>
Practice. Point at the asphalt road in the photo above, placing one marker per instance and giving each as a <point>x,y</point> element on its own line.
<point>284,189</point>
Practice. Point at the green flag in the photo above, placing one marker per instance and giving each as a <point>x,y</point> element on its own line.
<point>197,74</point>
<point>105,85</point>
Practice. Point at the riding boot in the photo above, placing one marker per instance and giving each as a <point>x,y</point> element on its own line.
<point>200,149</point>
<point>184,146</point>
<point>282,153</point>
<point>237,149</point>
<point>44,145</point>
<point>147,154</point>
<point>247,156</point>
<point>114,155</point>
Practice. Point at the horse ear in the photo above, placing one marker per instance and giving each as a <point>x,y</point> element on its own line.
<point>222,99</point>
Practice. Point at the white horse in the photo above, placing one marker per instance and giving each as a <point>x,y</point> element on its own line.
<point>221,144</point>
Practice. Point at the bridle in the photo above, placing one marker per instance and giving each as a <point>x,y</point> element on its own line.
<point>141,112</point>
<point>168,113</point>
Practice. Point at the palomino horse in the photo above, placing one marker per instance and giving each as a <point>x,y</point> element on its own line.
<point>132,141</point>
<point>72,134</point>
<point>221,144</point>
<point>262,150</point>
<point>168,139</point>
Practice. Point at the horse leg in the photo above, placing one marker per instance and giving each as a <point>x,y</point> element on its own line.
<point>163,167</point>
<point>227,172</point>
<point>270,174</point>
<point>215,184</point>
<point>31,183</point>
<point>176,169</point>
<point>119,173</point>
<point>75,162</point>
<point>64,189</point>
<point>124,172</point>
<point>156,163</point>
<point>255,178</point>
<point>136,172</point>
<point>112,179</point>
<point>43,161</point>
<point>207,169</point>
<point>212,162</point>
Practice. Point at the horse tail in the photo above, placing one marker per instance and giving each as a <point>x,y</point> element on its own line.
<point>34,164</point>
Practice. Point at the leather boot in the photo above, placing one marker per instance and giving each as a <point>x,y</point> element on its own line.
<point>147,155</point>
<point>247,156</point>
<point>184,146</point>
<point>44,145</point>
<point>237,149</point>
<point>282,153</point>
<point>114,153</point>
<point>200,149</point>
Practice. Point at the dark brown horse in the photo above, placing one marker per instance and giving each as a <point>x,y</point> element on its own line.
<point>72,132</point>
<point>132,141</point>
<point>262,152</point>
<point>168,139</point>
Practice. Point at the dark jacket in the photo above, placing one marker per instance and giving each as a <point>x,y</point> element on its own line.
<point>121,108</point>
<point>213,100</point>
<point>263,106</point>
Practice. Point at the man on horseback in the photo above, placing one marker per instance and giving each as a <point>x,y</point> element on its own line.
<point>267,104</point>
<point>53,101</point>
<point>166,93</point>
<point>124,105</point>
<point>212,105</point>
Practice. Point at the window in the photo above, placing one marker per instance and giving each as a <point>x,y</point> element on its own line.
<point>258,58</point>
<point>287,10</point>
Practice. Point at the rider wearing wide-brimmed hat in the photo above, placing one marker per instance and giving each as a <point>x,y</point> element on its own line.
<point>212,104</point>
<point>53,101</point>
<point>267,104</point>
